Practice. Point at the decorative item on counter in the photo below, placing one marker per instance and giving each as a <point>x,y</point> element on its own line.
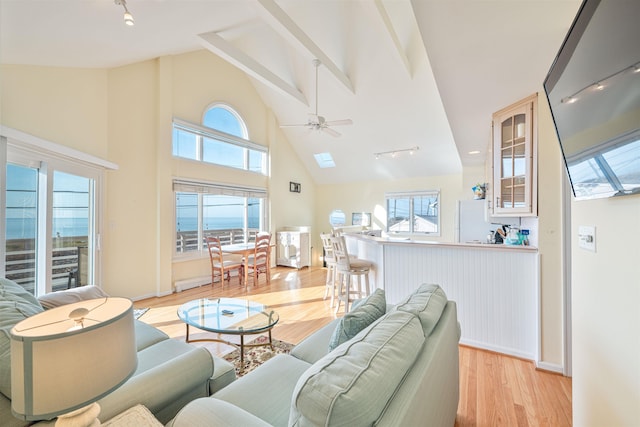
<point>513,237</point>
<point>524,237</point>
<point>479,191</point>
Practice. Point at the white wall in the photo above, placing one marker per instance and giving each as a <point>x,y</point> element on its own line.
<point>606,314</point>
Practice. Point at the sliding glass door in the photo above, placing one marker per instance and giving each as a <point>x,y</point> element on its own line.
<point>51,229</point>
<point>21,225</point>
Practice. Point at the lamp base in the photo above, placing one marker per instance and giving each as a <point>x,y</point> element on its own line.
<point>83,417</point>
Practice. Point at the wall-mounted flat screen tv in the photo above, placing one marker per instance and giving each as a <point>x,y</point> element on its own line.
<point>593,89</point>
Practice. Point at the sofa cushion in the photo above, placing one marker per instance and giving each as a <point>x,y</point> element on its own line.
<point>353,384</point>
<point>315,346</point>
<point>427,302</point>
<point>68,296</point>
<point>365,313</point>
<point>266,391</point>
<point>16,304</point>
<point>147,335</point>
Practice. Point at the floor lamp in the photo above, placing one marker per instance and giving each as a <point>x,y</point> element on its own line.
<point>65,359</point>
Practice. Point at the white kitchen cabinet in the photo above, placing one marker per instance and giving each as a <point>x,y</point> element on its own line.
<point>514,187</point>
<point>293,248</point>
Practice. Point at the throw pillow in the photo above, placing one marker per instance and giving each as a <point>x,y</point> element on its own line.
<point>69,296</point>
<point>11,312</point>
<point>367,311</point>
<point>427,302</point>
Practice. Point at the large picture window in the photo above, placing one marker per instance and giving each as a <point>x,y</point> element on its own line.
<point>413,212</point>
<point>234,214</point>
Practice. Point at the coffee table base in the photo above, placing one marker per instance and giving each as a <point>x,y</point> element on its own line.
<point>242,344</point>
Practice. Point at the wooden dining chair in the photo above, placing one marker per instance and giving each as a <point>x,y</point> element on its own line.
<point>260,261</point>
<point>219,266</point>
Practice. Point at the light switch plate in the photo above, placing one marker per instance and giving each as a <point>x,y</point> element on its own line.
<point>587,237</point>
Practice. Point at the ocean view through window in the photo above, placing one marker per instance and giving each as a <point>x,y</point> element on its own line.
<point>209,212</point>
<point>50,213</point>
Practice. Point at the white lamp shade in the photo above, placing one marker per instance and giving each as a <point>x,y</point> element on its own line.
<point>55,370</point>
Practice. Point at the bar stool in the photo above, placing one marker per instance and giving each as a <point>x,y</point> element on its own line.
<point>330,260</point>
<point>348,268</point>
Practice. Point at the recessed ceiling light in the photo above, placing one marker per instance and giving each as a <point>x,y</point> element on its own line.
<point>474,152</point>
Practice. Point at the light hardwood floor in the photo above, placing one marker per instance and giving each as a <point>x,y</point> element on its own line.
<point>495,390</point>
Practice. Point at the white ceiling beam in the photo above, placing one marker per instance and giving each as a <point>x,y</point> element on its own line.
<point>281,22</point>
<point>394,36</point>
<point>216,44</point>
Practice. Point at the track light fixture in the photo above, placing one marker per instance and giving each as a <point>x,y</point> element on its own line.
<point>601,84</point>
<point>128,17</point>
<point>394,153</point>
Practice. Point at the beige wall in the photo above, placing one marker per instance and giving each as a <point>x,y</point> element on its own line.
<point>62,105</point>
<point>606,314</point>
<point>550,176</point>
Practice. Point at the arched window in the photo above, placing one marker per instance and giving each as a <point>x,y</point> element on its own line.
<point>225,119</point>
<point>222,139</point>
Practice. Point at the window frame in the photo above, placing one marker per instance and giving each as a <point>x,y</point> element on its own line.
<point>202,132</point>
<point>412,195</point>
<point>26,150</point>
<point>201,188</point>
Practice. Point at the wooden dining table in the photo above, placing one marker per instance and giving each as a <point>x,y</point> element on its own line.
<point>244,249</point>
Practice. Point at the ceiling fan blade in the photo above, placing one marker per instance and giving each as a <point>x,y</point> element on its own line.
<point>330,131</point>
<point>339,122</point>
<point>295,126</point>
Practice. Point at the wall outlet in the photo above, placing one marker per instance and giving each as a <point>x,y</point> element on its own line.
<point>587,237</point>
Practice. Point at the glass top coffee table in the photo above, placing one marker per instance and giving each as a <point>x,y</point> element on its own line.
<point>229,316</point>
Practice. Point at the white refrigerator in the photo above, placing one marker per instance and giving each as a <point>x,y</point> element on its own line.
<point>473,224</point>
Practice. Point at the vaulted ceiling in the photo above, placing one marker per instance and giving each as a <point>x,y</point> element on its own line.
<point>426,73</point>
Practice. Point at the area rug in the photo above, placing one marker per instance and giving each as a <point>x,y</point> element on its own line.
<point>256,356</point>
<point>138,312</point>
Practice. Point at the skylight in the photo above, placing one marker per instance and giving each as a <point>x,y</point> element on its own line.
<point>324,160</point>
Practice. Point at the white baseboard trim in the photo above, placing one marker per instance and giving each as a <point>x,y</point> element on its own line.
<point>551,367</point>
<point>154,295</point>
<point>194,282</point>
<point>497,349</point>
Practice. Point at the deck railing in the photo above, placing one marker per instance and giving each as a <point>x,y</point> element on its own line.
<point>20,264</point>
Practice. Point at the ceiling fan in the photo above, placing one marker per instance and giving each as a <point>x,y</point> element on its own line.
<point>317,122</point>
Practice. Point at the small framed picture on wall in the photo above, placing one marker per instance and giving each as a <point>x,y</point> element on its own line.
<point>295,187</point>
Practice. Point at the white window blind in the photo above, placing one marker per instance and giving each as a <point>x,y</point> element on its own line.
<point>186,186</point>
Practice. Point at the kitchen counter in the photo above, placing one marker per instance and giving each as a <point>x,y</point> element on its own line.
<point>495,286</point>
<point>407,241</point>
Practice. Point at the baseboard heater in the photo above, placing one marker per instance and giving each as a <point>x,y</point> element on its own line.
<point>194,282</point>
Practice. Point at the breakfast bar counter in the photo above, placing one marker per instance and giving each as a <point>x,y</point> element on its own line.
<point>496,287</point>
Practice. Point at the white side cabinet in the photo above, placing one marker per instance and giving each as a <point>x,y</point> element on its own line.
<point>293,248</point>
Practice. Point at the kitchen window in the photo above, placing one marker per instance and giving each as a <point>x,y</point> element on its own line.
<point>413,212</point>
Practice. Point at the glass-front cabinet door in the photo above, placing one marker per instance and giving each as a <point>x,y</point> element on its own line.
<point>514,161</point>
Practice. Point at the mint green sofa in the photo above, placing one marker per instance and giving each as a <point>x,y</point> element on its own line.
<point>400,370</point>
<point>170,372</point>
